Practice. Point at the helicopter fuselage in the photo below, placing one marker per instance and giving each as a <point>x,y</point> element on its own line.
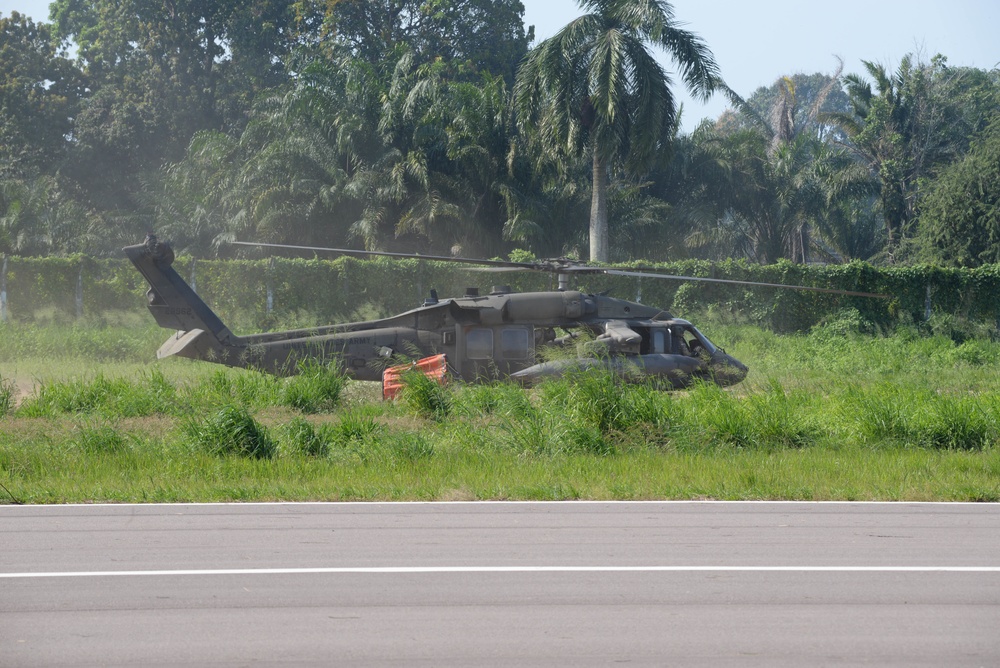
<point>501,335</point>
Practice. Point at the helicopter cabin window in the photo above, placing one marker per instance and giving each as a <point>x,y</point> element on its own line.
<point>479,344</point>
<point>515,343</point>
<point>658,341</point>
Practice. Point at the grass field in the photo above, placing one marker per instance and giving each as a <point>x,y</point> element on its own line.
<point>88,416</point>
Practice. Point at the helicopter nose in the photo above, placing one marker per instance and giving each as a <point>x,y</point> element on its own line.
<point>726,369</point>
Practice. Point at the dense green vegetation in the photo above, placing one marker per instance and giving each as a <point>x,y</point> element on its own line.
<point>829,414</point>
<point>440,126</point>
<point>284,293</point>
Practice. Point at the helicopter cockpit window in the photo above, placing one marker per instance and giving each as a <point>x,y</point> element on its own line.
<point>479,344</point>
<point>689,341</point>
<point>515,343</point>
<point>678,345</point>
<point>705,344</point>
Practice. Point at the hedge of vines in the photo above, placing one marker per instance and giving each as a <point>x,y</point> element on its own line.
<point>307,292</point>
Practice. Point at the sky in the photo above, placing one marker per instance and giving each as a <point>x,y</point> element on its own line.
<point>755,43</point>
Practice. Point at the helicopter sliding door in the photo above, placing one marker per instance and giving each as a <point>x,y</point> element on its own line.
<point>495,352</point>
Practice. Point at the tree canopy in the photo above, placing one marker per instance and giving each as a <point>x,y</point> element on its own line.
<point>40,94</point>
<point>960,215</point>
<point>597,88</point>
<point>438,126</point>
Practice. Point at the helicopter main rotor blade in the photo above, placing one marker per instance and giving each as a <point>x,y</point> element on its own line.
<point>641,274</point>
<point>563,266</point>
<point>403,256</point>
<point>500,270</point>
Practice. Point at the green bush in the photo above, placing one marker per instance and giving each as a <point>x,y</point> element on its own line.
<point>955,423</point>
<point>232,431</point>
<point>353,427</point>
<point>425,396</point>
<point>598,398</point>
<point>301,438</point>
<point>316,388</point>
<point>844,322</point>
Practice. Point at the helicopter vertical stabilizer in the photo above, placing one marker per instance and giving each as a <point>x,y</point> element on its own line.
<point>175,305</point>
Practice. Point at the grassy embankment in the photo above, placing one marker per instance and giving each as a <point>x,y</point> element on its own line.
<point>88,417</point>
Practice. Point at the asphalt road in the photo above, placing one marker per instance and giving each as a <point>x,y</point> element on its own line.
<point>513,584</point>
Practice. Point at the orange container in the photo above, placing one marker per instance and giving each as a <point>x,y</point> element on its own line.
<point>435,366</point>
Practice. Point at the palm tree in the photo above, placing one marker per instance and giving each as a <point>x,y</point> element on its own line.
<point>886,129</point>
<point>764,176</point>
<point>767,193</point>
<point>287,176</point>
<point>596,87</point>
<point>37,218</point>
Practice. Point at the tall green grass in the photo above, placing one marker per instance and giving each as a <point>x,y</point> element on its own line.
<point>231,431</point>
<point>134,339</point>
<point>821,415</point>
<point>425,396</point>
<point>317,387</point>
<point>922,397</point>
<point>113,397</point>
<point>7,396</point>
<point>590,412</point>
<point>301,438</point>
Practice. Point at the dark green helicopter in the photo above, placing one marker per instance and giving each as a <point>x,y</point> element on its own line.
<point>484,337</point>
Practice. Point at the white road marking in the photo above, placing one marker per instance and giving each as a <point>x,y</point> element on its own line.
<point>383,570</point>
<point>575,502</point>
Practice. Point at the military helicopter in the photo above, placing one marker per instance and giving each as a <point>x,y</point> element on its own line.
<point>503,335</point>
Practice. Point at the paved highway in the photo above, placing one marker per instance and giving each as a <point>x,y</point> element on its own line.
<point>514,584</point>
